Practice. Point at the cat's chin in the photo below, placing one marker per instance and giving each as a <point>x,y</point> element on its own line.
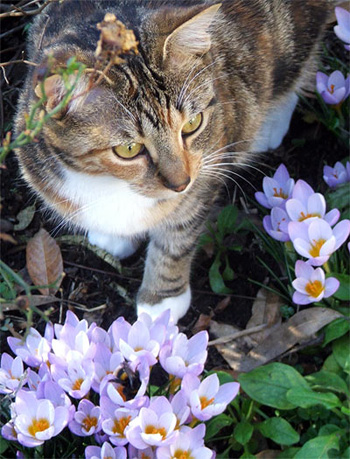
<point>178,306</point>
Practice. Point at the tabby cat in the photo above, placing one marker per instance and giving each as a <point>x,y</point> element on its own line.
<point>140,154</point>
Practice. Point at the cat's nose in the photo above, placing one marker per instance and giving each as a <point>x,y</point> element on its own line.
<point>176,186</point>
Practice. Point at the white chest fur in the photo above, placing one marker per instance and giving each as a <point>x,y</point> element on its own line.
<point>106,204</point>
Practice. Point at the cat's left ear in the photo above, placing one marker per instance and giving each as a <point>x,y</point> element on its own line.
<point>191,38</point>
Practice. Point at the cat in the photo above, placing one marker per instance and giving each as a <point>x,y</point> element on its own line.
<point>142,154</point>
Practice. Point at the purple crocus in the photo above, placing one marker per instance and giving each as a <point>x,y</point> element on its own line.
<point>318,240</point>
<point>276,224</point>
<point>180,408</point>
<point>208,398</point>
<point>117,421</point>
<point>37,420</point>
<point>276,189</point>
<point>105,363</point>
<point>342,30</point>
<point>105,451</point>
<point>335,176</point>
<point>305,205</point>
<point>33,350</point>
<point>86,419</point>
<point>155,425</point>
<point>334,89</point>
<point>11,374</point>
<point>134,453</point>
<point>185,355</point>
<point>311,285</point>
<point>189,444</point>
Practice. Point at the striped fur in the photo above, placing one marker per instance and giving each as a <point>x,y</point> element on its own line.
<point>238,62</point>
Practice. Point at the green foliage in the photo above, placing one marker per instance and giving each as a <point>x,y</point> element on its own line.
<point>218,236</point>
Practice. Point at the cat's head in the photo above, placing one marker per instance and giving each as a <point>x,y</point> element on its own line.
<point>151,119</point>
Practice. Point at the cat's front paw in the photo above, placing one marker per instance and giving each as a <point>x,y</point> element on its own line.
<point>117,246</point>
<point>178,305</point>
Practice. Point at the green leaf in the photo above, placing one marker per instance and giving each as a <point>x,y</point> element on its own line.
<point>214,426</point>
<point>318,447</point>
<point>4,444</point>
<point>215,278</point>
<point>339,198</point>
<point>305,398</point>
<point>288,453</point>
<point>329,429</point>
<point>228,274</point>
<point>343,292</point>
<point>341,352</point>
<point>223,376</point>
<point>331,365</point>
<point>269,384</point>
<point>336,329</point>
<point>243,432</point>
<point>227,220</point>
<point>327,381</point>
<point>279,430</point>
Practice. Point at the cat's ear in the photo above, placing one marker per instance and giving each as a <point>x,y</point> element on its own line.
<point>54,89</point>
<point>191,38</point>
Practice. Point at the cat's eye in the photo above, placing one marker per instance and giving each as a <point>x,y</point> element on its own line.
<point>193,124</point>
<point>128,150</point>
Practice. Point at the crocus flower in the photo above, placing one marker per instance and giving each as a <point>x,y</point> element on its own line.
<point>76,377</point>
<point>139,344</point>
<point>189,443</point>
<point>334,89</point>
<point>105,363</point>
<point>117,421</point>
<point>11,374</point>
<point>33,351</point>
<point>276,189</point>
<point>37,420</point>
<point>342,30</point>
<point>155,425</point>
<point>276,224</point>
<point>180,408</point>
<point>335,176</point>
<point>86,419</point>
<point>8,431</point>
<point>208,398</point>
<point>318,240</point>
<point>305,205</point>
<point>105,451</point>
<point>185,355</point>
<point>311,285</point>
<point>134,453</point>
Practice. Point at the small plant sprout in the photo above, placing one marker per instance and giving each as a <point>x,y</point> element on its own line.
<point>334,89</point>
<point>336,175</point>
<point>276,189</point>
<point>342,29</point>
<point>318,240</point>
<point>311,285</point>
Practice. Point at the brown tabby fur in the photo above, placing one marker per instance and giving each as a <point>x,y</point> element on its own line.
<point>253,54</point>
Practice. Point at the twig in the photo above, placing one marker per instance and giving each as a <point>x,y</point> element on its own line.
<point>18,61</point>
<point>16,11</point>
<point>9,32</point>
<point>248,331</point>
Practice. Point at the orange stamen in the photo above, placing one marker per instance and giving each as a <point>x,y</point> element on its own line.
<point>315,288</point>
<point>38,425</point>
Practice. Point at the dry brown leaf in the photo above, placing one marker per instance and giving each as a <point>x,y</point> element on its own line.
<point>298,329</point>
<point>44,262</point>
<point>203,323</point>
<point>266,310</point>
<point>222,305</point>
<point>7,238</point>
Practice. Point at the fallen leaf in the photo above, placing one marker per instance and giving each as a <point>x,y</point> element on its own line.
<point>203,323</point>
<point>25,218</point>
<point>44,262</point>
<point>7,238</point>
<point>266,310</point>
<point>298,329</point>
<point>222,305</point>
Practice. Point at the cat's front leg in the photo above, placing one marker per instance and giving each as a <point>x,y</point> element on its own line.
<point>120,247</point>
<point>165,283</point>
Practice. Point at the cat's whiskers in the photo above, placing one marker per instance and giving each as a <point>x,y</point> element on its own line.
<point>205,84</point>
<point>216,167</point>
<point>184,88</point>
<point>219,173</point>
<point>133,118</point>
<point>233,144</point>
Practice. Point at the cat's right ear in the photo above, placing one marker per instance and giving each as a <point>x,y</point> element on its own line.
<point>191,38</point>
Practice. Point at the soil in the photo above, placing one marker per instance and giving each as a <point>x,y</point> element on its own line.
<point>91,282</point>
